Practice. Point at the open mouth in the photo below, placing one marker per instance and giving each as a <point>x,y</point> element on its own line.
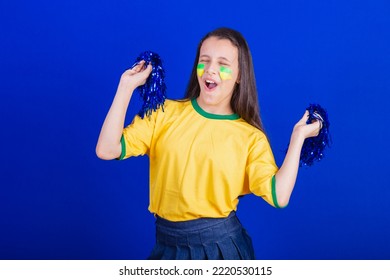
<point>210,84</point>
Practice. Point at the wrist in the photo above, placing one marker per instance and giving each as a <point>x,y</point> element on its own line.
<point>297,136</point>
<point>126,87</point>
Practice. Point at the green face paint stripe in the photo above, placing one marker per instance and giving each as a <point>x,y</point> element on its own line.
<point>200,69</point>
<point>225,70</point>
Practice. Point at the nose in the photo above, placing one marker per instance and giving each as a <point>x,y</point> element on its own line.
<point>211,67</point>
<point>210,70</point>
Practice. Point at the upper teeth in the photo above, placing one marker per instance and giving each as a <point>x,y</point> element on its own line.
<point>210,82</point>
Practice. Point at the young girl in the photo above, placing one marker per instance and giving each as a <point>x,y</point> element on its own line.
<point>205,152</point>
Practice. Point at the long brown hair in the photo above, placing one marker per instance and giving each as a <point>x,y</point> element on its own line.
<point>244,101</point>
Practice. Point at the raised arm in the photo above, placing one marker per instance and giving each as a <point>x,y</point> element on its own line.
<point>287,174</point>
<point>108,145</point>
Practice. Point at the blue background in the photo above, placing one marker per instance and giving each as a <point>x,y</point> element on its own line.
<point>60,65</point>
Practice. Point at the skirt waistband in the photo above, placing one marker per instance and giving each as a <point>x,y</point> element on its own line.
<point>196,232</point>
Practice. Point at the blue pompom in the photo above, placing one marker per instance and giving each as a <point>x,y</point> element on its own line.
<point>313,147</point>
<point>153,92</point>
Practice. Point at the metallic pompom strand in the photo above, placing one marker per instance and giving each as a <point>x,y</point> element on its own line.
<point>313,147</point>
<point>153,92</point>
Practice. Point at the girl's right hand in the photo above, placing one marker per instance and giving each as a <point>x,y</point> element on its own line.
<point>137,75</point>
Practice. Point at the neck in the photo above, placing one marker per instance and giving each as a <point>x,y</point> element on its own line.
<point>220,108</point>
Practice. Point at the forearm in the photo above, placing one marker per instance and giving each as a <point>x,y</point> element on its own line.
<point>287,174</point>
<point>108,145</point>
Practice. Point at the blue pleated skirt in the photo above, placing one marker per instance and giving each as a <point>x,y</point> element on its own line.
<point>202,239</point>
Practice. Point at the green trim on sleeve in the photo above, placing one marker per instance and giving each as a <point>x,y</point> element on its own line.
<point>123,144</point>
<point>274,197</point>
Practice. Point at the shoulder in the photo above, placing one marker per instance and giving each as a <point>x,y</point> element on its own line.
<point>253,139</point>
<point>249,130</point>
<point>173,107</point>
<point>171,104</point>
<point>170,110</point>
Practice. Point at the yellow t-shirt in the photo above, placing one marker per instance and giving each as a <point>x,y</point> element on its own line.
<point>200,163</point>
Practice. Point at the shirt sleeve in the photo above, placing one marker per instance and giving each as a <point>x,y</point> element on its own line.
<point>261,169</point>
<point>137,136</point>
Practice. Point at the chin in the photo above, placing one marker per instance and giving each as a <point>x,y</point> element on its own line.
<point>209,98</point>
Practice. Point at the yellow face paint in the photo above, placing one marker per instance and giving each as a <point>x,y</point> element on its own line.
<point>200,69</point>
<point>225,73</point>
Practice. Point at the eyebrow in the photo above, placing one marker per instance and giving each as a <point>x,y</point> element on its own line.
<point>221,57</point>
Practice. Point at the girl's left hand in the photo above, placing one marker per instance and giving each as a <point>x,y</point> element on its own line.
<point>304,130</point>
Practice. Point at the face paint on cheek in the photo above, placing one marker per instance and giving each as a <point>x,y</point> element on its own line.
<point>200,69</point>
<point>225,73</point>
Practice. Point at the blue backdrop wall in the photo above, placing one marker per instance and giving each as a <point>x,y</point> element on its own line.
<point>60,65</point>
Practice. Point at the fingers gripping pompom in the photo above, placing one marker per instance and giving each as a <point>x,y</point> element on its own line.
<point>153,92</point>
<point>313,147</point>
